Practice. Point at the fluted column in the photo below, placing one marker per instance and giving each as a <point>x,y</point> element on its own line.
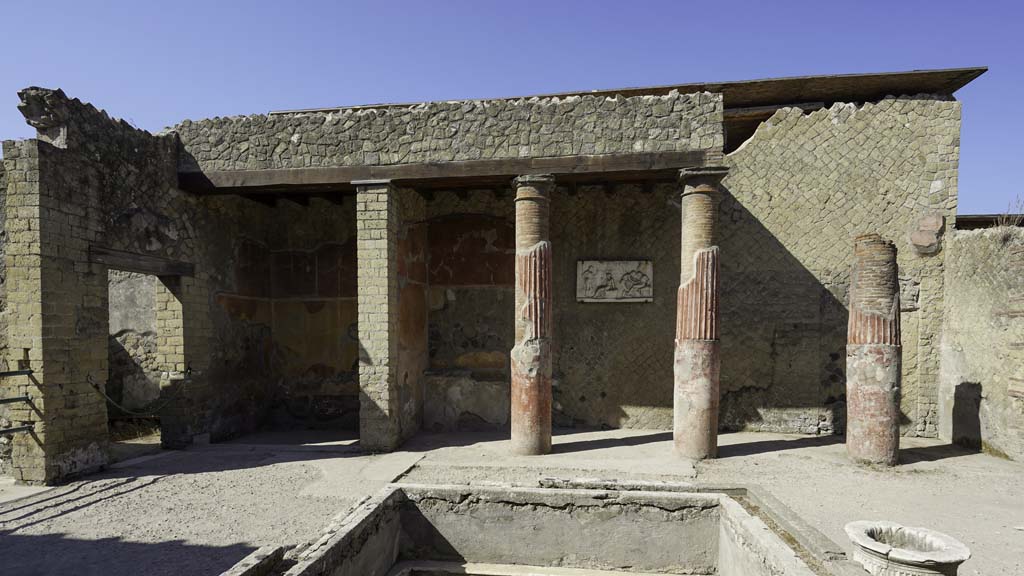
<point>531,354</point>
<point>695,397</point>
<point>873,354</point>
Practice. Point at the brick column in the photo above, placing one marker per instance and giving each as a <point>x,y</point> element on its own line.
<point>377,228</point>
<point>873,354</point>
<point>695,396</point>
<point>183,338</point>
<point>57,326</point>
<point>531,355</point>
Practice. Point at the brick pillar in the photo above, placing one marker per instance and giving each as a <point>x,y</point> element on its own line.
<point>873,354</point>
<point>184,330</point>
<point>377,228</point>
<point>57,327</point>
<point>531,354</point>
<point>695,395</point>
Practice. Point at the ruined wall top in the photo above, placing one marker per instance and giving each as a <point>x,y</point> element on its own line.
<point>63,121</point>
<point>456,131</point>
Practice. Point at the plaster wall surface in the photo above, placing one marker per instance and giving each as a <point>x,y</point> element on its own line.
<point>455,131</point>
<point>134,370</point>
<point>981,395</point>
<point>298,282</point>
<point>799,191</point>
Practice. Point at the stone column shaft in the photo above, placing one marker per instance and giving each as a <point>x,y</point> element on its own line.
<point>697,351</point>
<point>531,354</point>
<point>873,354</point>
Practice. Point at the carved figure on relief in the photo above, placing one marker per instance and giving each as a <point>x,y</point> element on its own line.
<point>614,281</point>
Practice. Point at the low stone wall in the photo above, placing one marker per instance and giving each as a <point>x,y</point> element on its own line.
<point>424,529</point>
<point>981,397</point>
<point>644,532</point>
<point>457,401</point>
<point>365,542</point>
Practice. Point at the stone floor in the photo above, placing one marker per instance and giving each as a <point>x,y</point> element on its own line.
<point>198,511</point>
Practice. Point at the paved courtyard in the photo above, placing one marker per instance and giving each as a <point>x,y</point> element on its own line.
<point>198,511</point>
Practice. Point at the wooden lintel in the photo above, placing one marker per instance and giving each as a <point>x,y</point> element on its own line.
<point>483,172</point>
<point>142,263</point>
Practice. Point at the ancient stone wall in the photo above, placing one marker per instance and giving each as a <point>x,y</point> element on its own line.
<point>798,192</point>
<point>981,394</point>
<point>454,131</point>
<point>90,181</point>
<point>134,369</point>
<point>612,361</point>
<point>5,441</point>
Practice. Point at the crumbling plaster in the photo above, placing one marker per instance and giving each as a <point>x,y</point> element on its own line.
<point>981,394</point>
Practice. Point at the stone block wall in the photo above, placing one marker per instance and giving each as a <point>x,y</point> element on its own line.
<point>5,441</point>
<point>455,131</point>
<point>981,393</point>
<point>798,192</point>
<point>89,180</point>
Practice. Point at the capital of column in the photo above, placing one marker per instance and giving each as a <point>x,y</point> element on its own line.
<point>533,186</point>
<point>702,179</point>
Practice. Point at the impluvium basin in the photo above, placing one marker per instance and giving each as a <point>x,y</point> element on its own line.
<point>443,530</point>
<point>890,549</point>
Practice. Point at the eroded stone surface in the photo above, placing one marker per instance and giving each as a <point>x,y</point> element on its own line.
<point>873,354</point>
<point>531,355</point>
<point>697,355</point>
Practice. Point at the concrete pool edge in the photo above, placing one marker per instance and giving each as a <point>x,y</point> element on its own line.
<point>763,521</point>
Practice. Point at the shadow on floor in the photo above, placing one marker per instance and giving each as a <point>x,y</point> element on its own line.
<point>55,554</point>
<point>933,453</point>
<point>599,443</point>
<point>765,446</point>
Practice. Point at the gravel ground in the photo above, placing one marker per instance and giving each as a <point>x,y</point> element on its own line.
<point>193,512</point>
<point>975,498</point>
<point>199,511</point>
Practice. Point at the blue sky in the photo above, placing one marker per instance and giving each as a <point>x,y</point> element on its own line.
<point>156,63</point>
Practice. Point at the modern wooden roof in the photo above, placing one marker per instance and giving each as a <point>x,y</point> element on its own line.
<point>782,91</point>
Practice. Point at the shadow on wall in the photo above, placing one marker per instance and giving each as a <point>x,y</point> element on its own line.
<point>783,333</point>
<point>129,384</point>
<point>967,415</point>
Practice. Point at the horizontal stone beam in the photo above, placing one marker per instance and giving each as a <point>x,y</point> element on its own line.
<point>341,178</point>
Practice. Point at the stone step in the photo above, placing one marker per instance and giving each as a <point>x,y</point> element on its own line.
<point>435,568</point>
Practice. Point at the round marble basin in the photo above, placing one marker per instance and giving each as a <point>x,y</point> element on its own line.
<point>889,549</point>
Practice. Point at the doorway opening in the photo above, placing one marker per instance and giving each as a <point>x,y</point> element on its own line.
<point>134,370</point>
